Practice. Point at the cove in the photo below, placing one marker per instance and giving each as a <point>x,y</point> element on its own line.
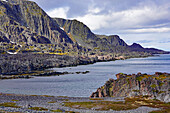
<point>82,85</point>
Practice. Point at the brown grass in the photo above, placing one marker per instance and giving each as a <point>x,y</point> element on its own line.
<point>130,103</point>
<point>9,104</point>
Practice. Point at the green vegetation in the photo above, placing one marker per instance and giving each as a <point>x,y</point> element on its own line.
<point>136,90</point>
<point>140,78</point>
<point>39,108</point>
<point>9,104</point>
<point>130,103</point>
<point>14,100</point>
<point>101,105</point>
<point>58,110</point>
<point>47,96</point>
<point>96,99</point>
<point>51,102</point>
<point>153,85</point>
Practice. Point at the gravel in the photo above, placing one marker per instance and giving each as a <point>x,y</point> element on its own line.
<point>54,103</point>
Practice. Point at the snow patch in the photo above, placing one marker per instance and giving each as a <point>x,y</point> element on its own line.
<point>5,0</point>
<point>79,44</point>
<point>12,42</point>
<point>62,28</point>
<point>12,53</point>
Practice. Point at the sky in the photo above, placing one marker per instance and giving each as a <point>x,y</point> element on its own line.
<point>141,21</point>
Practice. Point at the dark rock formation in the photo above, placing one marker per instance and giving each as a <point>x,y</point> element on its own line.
<point>25,21</point>
<point>155,86</point>
<point>137,47</point>
<point>26,63</point>
<point>81,34</point>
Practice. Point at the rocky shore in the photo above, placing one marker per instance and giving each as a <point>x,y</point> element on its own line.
<point>26,65</point>
<point>50,104</point>
<point>153,86</point>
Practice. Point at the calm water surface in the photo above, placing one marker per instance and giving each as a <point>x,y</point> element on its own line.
<point>82,85</point>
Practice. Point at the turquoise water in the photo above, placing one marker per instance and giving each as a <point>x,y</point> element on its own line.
<point>82,85</point>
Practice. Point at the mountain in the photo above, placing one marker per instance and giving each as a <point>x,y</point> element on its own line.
<point>25,27</point>
<point>139,48</point>
<point>24,21</point>
<point>80,33</point>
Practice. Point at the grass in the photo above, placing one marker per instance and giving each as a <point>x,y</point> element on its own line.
<point>140,78</point>
<point>96,99</point>
<point>102,105</point>
<point>9,104</point>
<point>58,110</point>
<point>52,102</point>
<point>153,86</point>
<point>47,96</point>
<point>14,100</point>
<point>130,103</point>
<point>39,108</point>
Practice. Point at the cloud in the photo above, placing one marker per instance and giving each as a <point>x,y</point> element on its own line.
<point>149,30</point>
<point>59,12</point>
<point>156,40</point>
<point>127,19</point>
<point>144,41</point>
<point>94,10</point>
<point>144,21</point>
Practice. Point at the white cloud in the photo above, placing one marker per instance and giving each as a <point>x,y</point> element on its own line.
<point>94,10</point>
<point>59,12</point>
<point>123,20</point>
<point>149,30</point>
<point>153,40</point>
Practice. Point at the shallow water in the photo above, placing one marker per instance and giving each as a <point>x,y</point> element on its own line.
<point>82,85</point>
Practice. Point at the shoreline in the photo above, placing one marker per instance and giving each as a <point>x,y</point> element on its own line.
<point>44,71</point>
<point>49,104</point>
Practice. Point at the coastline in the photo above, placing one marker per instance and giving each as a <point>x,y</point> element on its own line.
<point>71,61</point>
<point>49,104</point>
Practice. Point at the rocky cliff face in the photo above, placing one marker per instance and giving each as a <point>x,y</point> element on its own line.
<point>85,37</point>
<point>155,86</point>
<point>138,47</point>
<point>81,34</point>
<point>28,63</point>
<point>25,21</point>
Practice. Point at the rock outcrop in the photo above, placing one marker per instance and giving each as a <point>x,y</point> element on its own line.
<point>25,21</point>
<point>155,86</point>
<point>27,63</point>
<point>81,34</point>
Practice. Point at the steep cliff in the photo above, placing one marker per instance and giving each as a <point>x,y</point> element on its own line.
<point>25,21</point>
<point>155,86</point>
<point>80,33</point>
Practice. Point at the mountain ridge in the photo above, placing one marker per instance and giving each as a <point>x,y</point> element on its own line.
<point>23,22</point>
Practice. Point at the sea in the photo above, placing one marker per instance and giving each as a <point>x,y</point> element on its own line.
<point>82,85</point>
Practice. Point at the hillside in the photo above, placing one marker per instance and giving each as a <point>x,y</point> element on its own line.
<point>25,27</point>
<point>80,33</point>
<point>24,22</point>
